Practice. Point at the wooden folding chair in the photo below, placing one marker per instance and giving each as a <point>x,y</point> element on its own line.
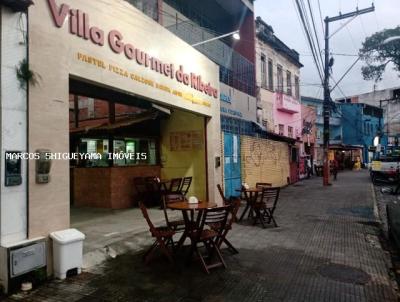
<point>163,237</point>
<point>154,190</point>
<point>221,192</point>
<point>176,225</point>
<point>175,186</point>
<point>234,206</point>
<point>141,189</point>
<point>209,236</point>
<point>264,206</point>
<point>185,186</point>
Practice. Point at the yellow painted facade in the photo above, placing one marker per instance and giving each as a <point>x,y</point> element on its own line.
<point>176,162</point>
<point>264,160</point>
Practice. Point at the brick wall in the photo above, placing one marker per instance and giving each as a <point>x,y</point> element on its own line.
<point>108,187</point>
<point>264,160</point>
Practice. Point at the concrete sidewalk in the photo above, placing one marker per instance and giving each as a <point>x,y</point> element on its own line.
<point>326,248</point>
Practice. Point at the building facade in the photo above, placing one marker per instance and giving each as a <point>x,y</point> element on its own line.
<point>89,67</point>
<point>389,101</point>
<point>278,88</point>
<point>194,22</point>
<point>360,125</point>
<point>335,122</point>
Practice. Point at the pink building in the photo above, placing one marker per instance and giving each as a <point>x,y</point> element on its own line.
<point>287,115</point>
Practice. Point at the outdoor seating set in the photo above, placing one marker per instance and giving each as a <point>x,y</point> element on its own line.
<point>207,224</point>
<point>261,203</point>
<point>151,190</point>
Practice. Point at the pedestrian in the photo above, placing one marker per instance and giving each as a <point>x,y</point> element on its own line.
<point>308,167</point>
<point>334,168</point>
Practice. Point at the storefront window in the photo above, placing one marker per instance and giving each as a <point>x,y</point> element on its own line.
<point>88,148</point>
<point>126,152</point>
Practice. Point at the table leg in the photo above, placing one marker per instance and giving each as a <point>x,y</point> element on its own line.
<point>245,211</point>
<point>187,228</point>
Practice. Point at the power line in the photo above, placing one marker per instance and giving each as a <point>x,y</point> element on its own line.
<point>315,33</point>
<point>309,38</point>
<point>320,15</point>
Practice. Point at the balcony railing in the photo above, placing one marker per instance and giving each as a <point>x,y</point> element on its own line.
<point>235,70</point>
<point>333,121</point>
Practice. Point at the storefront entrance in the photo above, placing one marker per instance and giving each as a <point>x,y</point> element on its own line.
<point>120,138</point>
<point>232,168</point>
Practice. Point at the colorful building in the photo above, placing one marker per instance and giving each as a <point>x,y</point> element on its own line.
<point>360,126</point>
<point>103,83</point>
<point>389,100</point>
<point>195,21</point>
<point>278,86</point>
<point>335,123</point>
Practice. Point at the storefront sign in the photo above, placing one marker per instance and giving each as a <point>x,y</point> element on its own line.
<point>231,112</point>
<point>225,98</point>
<point>79,25</point>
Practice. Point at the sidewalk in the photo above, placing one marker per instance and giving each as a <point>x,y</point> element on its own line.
<point>326,248</point>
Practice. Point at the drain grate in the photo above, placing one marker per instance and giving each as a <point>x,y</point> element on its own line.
<point>344,273</point>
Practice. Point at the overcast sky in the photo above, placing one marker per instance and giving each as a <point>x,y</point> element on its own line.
<point>284,19</point>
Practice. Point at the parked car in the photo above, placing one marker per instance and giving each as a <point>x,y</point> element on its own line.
<point>385,169</point>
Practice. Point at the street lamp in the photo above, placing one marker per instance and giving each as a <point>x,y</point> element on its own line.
<point>235,34</point>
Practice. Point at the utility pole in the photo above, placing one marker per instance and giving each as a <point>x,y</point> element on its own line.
<point>327,91</point>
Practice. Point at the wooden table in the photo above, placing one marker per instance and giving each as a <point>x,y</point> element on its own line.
<point>250,196</point>
<point>190,221</point>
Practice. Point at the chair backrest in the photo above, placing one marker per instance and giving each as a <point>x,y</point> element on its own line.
<point>175,185</point>
<point>217,217</point>
<point>235,205</point>
<point>263,184</point>
<point>146,216</point>
<point>169,198</point>
<point>140,185</point>
<point>221,192</point>
<point>185,186</point>
<point>270,197</point>
<point>152,184</point>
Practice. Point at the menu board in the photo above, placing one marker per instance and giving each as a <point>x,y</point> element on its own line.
<point>186,140</point>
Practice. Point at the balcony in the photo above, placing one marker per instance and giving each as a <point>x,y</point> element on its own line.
<point>333,121</point>
<point>286,103</point>
<point>235,70</point>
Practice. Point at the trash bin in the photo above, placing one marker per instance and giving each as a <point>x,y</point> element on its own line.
<point>67,251</point>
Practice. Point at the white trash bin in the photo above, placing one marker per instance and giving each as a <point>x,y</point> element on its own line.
<point>67,251</point>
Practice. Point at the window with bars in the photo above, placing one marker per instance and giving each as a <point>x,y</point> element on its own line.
<point>290,131</point>
<point>281,130</point>
<point>297,87</point>
<point>289,82</point>
<point>270,75</point>
<point>263,71</point>
<point>280,78</point>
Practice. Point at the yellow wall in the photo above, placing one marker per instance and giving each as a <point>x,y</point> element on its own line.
<point>264,160</point>
<point>184,163</point>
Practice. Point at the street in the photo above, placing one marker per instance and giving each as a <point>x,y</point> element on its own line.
<point>326,248</point>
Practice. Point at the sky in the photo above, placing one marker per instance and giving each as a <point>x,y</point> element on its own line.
<point>283,17</point>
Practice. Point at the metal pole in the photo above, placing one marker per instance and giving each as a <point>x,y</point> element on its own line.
<point>216,38</point>
<point>327,98</point>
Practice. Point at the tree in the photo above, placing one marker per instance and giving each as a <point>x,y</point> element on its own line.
<point>378,55</point>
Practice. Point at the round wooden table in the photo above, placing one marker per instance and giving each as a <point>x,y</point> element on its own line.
<point>250,194</point>
<point>185,206</point>
<point>190,222</point>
